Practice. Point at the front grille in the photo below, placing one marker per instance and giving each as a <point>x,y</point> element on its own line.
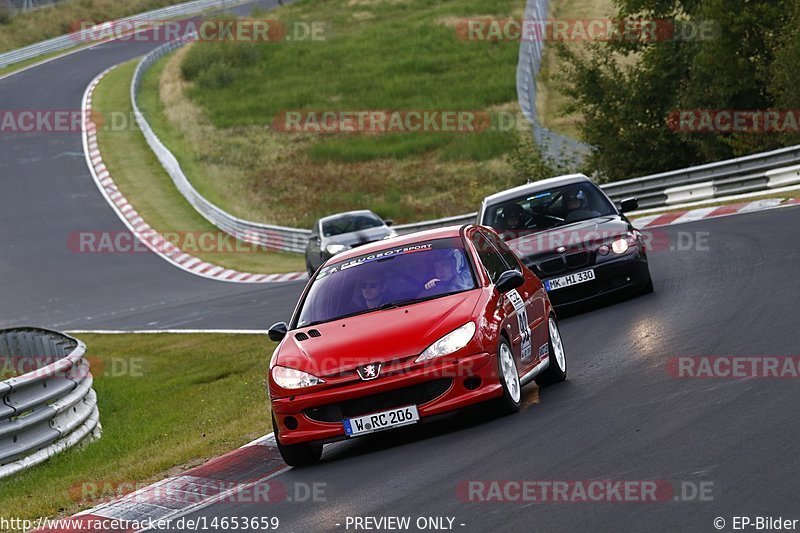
<point>413,395</point>
<point>578,259</point>
<point>552,266</point>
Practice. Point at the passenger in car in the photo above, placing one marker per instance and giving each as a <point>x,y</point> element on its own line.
<point>449,274</point>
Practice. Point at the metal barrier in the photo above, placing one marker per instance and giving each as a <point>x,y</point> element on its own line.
<point>751,173</point>
<point>269,236</point>
<point>72,40</point>
<point>716,180</point>
<point>555,146</point>
<point>49,408</point>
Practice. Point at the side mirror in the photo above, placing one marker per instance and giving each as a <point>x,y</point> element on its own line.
<point>278,331</point>
<point>628,205</point>
<point>388,221</point>
<point>509,280</point>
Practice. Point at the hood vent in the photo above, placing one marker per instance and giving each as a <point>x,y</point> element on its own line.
<point>301,337</point>
<point>314,333</point>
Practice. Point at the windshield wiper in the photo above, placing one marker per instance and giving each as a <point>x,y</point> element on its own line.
<point>403,303</point>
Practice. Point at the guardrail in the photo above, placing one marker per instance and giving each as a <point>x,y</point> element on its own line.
<point>751,173</point>
<point>51,407</point>
<point>716,180</point>
<point>555,146</point>
<point>65,42</point>
<point>269,236</point>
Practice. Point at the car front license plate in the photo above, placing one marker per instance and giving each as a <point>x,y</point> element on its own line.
<point>402,416</point>
<point>566,281</point>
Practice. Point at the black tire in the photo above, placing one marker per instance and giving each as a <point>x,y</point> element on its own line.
<point>554,373</point>
<point>507,404</point>
<point>297,454</point>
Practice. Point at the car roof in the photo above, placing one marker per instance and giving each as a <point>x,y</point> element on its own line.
<point>536,186</point>
<point>395,242</point>
<point>348,213</point>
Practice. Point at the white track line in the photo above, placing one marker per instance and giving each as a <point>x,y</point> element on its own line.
<point>138,227</point>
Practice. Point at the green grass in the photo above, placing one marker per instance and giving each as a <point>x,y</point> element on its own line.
<point>150,190</point>
<point>218,102</point>
<point>183,399</point>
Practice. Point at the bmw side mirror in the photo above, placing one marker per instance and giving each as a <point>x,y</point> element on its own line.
<point>278,331</point>
<point>388,221</point>
<point>509,280</point>
<point>628,205</point>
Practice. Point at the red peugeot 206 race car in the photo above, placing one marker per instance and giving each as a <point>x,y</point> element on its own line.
<point>393,332</point>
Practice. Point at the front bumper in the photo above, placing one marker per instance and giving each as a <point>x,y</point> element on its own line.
<point>460,392</point>
<point>628,273</point>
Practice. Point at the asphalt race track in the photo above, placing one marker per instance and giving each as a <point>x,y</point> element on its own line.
<point>621,415</point>
<point>48,193</point>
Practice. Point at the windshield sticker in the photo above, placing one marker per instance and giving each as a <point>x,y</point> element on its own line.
<point>375,257</point>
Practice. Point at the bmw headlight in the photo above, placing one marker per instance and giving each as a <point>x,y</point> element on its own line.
<point>289,378</point>
<point>334,249</point>
<point>452,342</point>
<point>620,246</point>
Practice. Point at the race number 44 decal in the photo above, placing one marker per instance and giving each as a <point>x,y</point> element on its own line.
<point>522,320</point>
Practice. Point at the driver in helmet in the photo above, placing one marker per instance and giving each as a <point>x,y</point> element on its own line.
<point>574,202</point>
<point>514,221</point>
<point>448,272</point>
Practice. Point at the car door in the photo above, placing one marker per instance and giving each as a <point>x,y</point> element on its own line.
<point>529,303</point>
<point>514,310</point>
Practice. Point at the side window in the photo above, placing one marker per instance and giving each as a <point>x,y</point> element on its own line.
<point>491,260</point>
<point>511,259</point>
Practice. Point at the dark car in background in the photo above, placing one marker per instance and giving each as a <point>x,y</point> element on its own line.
<point>343,231</point>
<point>572,236</point>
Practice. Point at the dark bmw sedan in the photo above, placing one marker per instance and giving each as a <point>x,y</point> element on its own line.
<point>572,236</point>
<point>336,233</point>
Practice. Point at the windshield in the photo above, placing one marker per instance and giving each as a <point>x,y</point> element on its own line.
<point>548,209</point>
<point>394,276</point>
<point>350,223</point>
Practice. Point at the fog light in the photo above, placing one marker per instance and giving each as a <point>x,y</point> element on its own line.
<point>472,383</point>
<point>603,250</point>
<point>290,422</point>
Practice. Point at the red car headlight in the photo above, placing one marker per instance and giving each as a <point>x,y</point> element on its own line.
<point>289,378</point>
<point>452,342</point>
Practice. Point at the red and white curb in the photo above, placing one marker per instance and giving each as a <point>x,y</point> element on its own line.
<point>241,476</point>
<point>703,213</point>
<point>141,229</point>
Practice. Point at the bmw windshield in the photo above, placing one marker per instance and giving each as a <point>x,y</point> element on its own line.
<point>392,277</point>
<point>548,209</point>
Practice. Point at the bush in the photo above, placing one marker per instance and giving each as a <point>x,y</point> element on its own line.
<point>5,14</point>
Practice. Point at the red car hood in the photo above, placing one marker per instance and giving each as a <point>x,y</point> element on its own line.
<point>380,336</point>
